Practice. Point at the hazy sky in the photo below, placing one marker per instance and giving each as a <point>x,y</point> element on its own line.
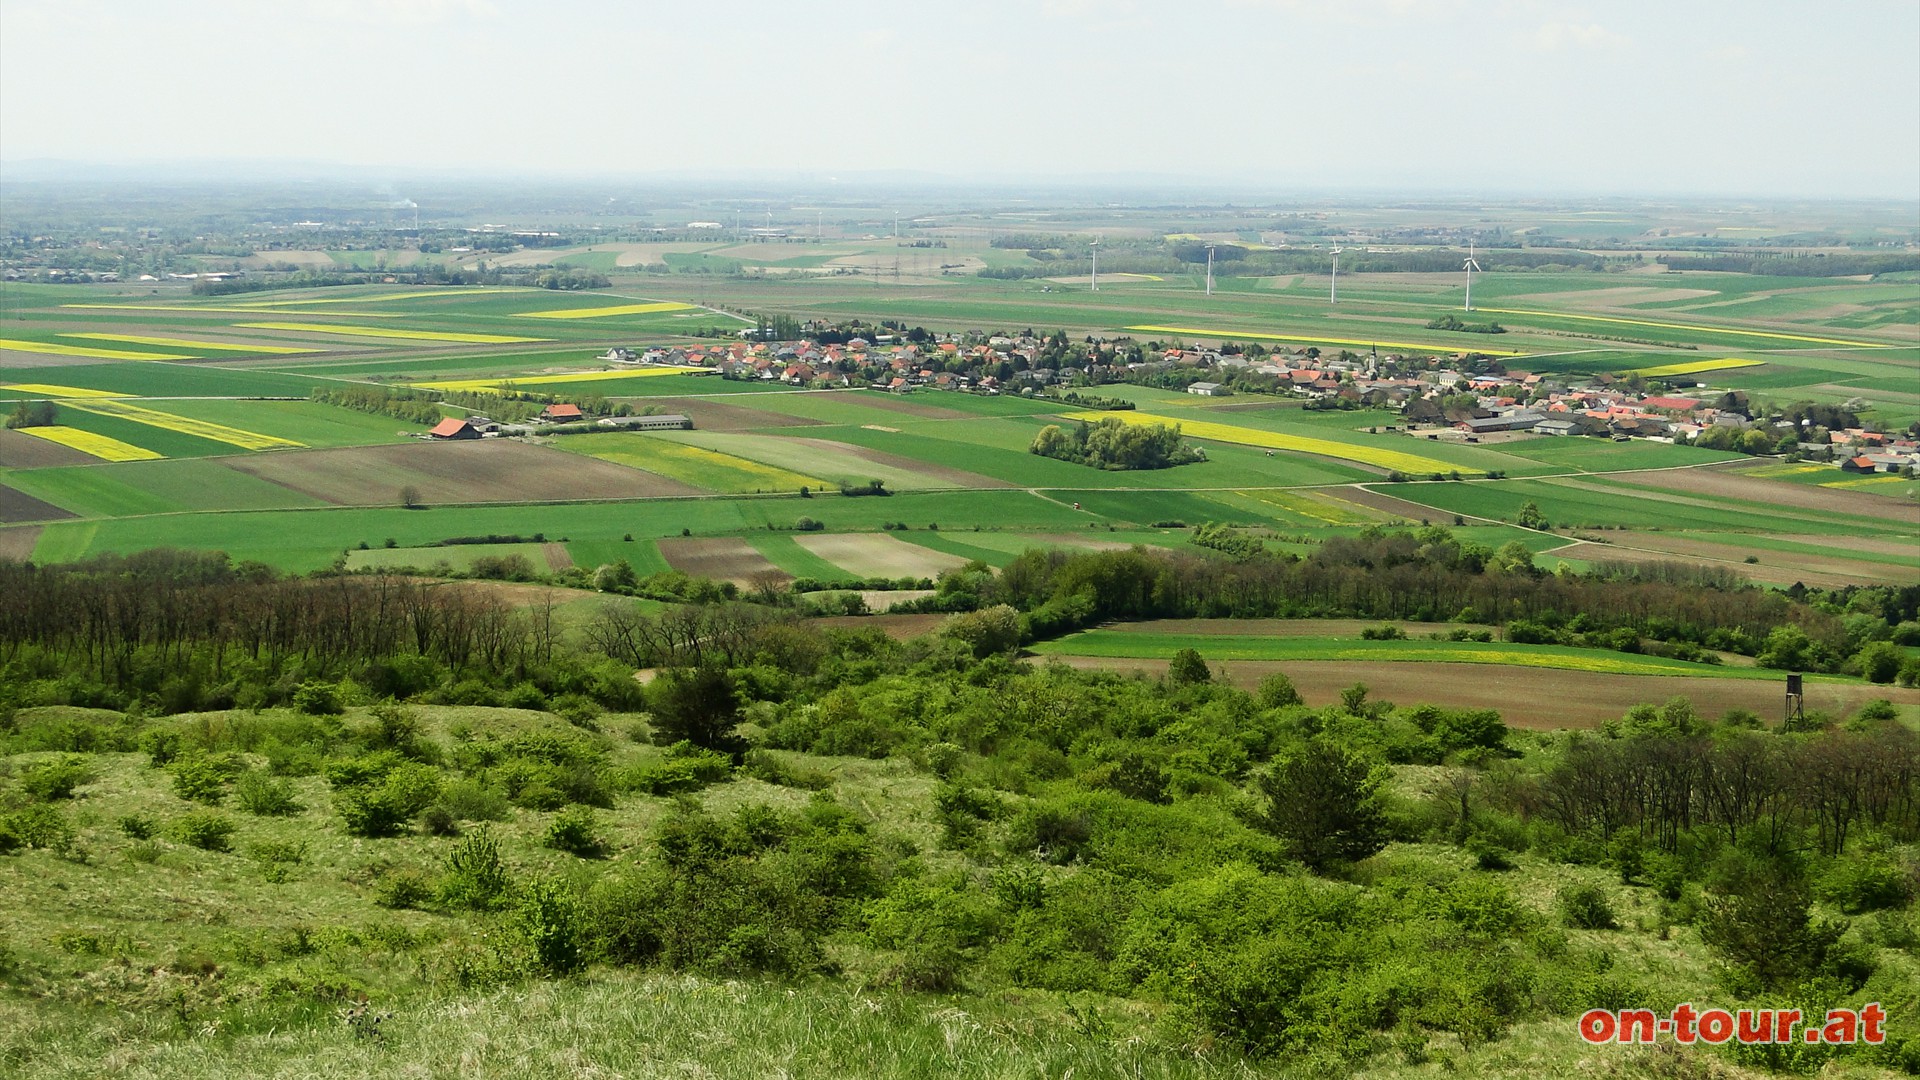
<point>1719,97</point>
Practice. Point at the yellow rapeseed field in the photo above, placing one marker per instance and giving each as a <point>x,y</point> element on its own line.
<point>386,332</point>
<point>245,440</point>
<point>1695,367</point>
<point>1308,506</point>
<point>604,312</point>
<point>489,386</point>
<point>52,349</point>
<point>87,442</point>
<point>1686,326</point>
<point>51,391</point>
<point>1228,433</point>
<point>1317,339</point>
<point>187,343</point>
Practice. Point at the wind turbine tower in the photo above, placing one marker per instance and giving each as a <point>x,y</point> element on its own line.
<point>1333,284</point>
<point>1209,269</point>
<point>1093,282</point>
<point>1470,267</point>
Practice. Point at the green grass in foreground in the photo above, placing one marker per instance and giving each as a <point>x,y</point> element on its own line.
<point>1109,643</point>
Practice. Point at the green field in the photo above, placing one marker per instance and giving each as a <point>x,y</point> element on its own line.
<point>782,551</point>
<point>161,380</point>
<point>309,540</point>
<point>1129,644</point>
<point>1620,506</point>
<point>456,557</point>
<point>693,464</point>
<point>307,422</point>
<point>154,487</point>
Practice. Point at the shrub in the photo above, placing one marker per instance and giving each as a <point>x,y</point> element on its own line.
<point>139,826</point>
<point>550,920</point>
<point>266,796</point>
<point>403,887</point>
<point>1759,918</point>
<point>961,812</point>
<point>807,524</point>
<point>208,830</point>
<point>1187,667</point>
<point>1276,691</point>
<point>277,858</point>
<point>42,826</point>
<point>1323,805</point>
<point>1586,907</point>
<point>204,777</point>
<point>573,831</point>
<point>1383,632</point>
<point>1055,834</point>
<point>469,799</point>
<point>687,768</point>
<point>437,820</point>
<point>318,699</point>
<point>476,876</point>
<point>380,795</point>
<point>1862,883</point>
<point>162,746</point>
<point>767,768</point>
<point>52,780</point>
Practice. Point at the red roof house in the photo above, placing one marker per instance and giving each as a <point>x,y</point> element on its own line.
<point>454,428</point>
<point>562,411</point>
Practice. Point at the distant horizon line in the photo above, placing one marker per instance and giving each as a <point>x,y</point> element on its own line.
<point>300,171</point>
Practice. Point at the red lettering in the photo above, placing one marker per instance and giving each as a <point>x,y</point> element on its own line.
<point>1716,1026</point>
<point>1683,1017</point>
<point>1597,1026</point>
<point>1783,1024</point>
<point>1871,1017</point>
<point>1636,1025</point>
<point>1842,1026</point>
<point>1755,1025</point>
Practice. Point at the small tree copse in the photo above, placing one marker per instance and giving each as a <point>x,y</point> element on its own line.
<point>1188,667</point>
<point>1323,804</point>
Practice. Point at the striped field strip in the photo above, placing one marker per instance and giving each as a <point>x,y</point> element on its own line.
<point>1317,339</point>
<point>187,309</point>
<point>483,386</point>
<point>1688,326</point>
<point>379,299</point>
<point>604,312</point>
<point>1229,433</point>
<point>87,442</point>
<point>52,349</point>
<point>51,391</point>
<point>383,332</point>
<point>186,343</point>
<point>245,440</point>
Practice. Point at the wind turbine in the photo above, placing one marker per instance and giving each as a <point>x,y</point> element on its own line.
<point>1209,269</point>
<point>1333,286</point>
<point>1470,267</point>
<point>1093,282</point>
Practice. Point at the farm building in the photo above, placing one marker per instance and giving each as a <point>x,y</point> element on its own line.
<point>454,428</point>
<point>663,422</point>
<point>562,412</point>
<point>1513,421</point>
<point>1207,389</point>
<point>1556,427</point>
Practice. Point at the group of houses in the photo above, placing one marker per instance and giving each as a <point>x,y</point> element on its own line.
<point>550,420</point>
<point>1459,396</point>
